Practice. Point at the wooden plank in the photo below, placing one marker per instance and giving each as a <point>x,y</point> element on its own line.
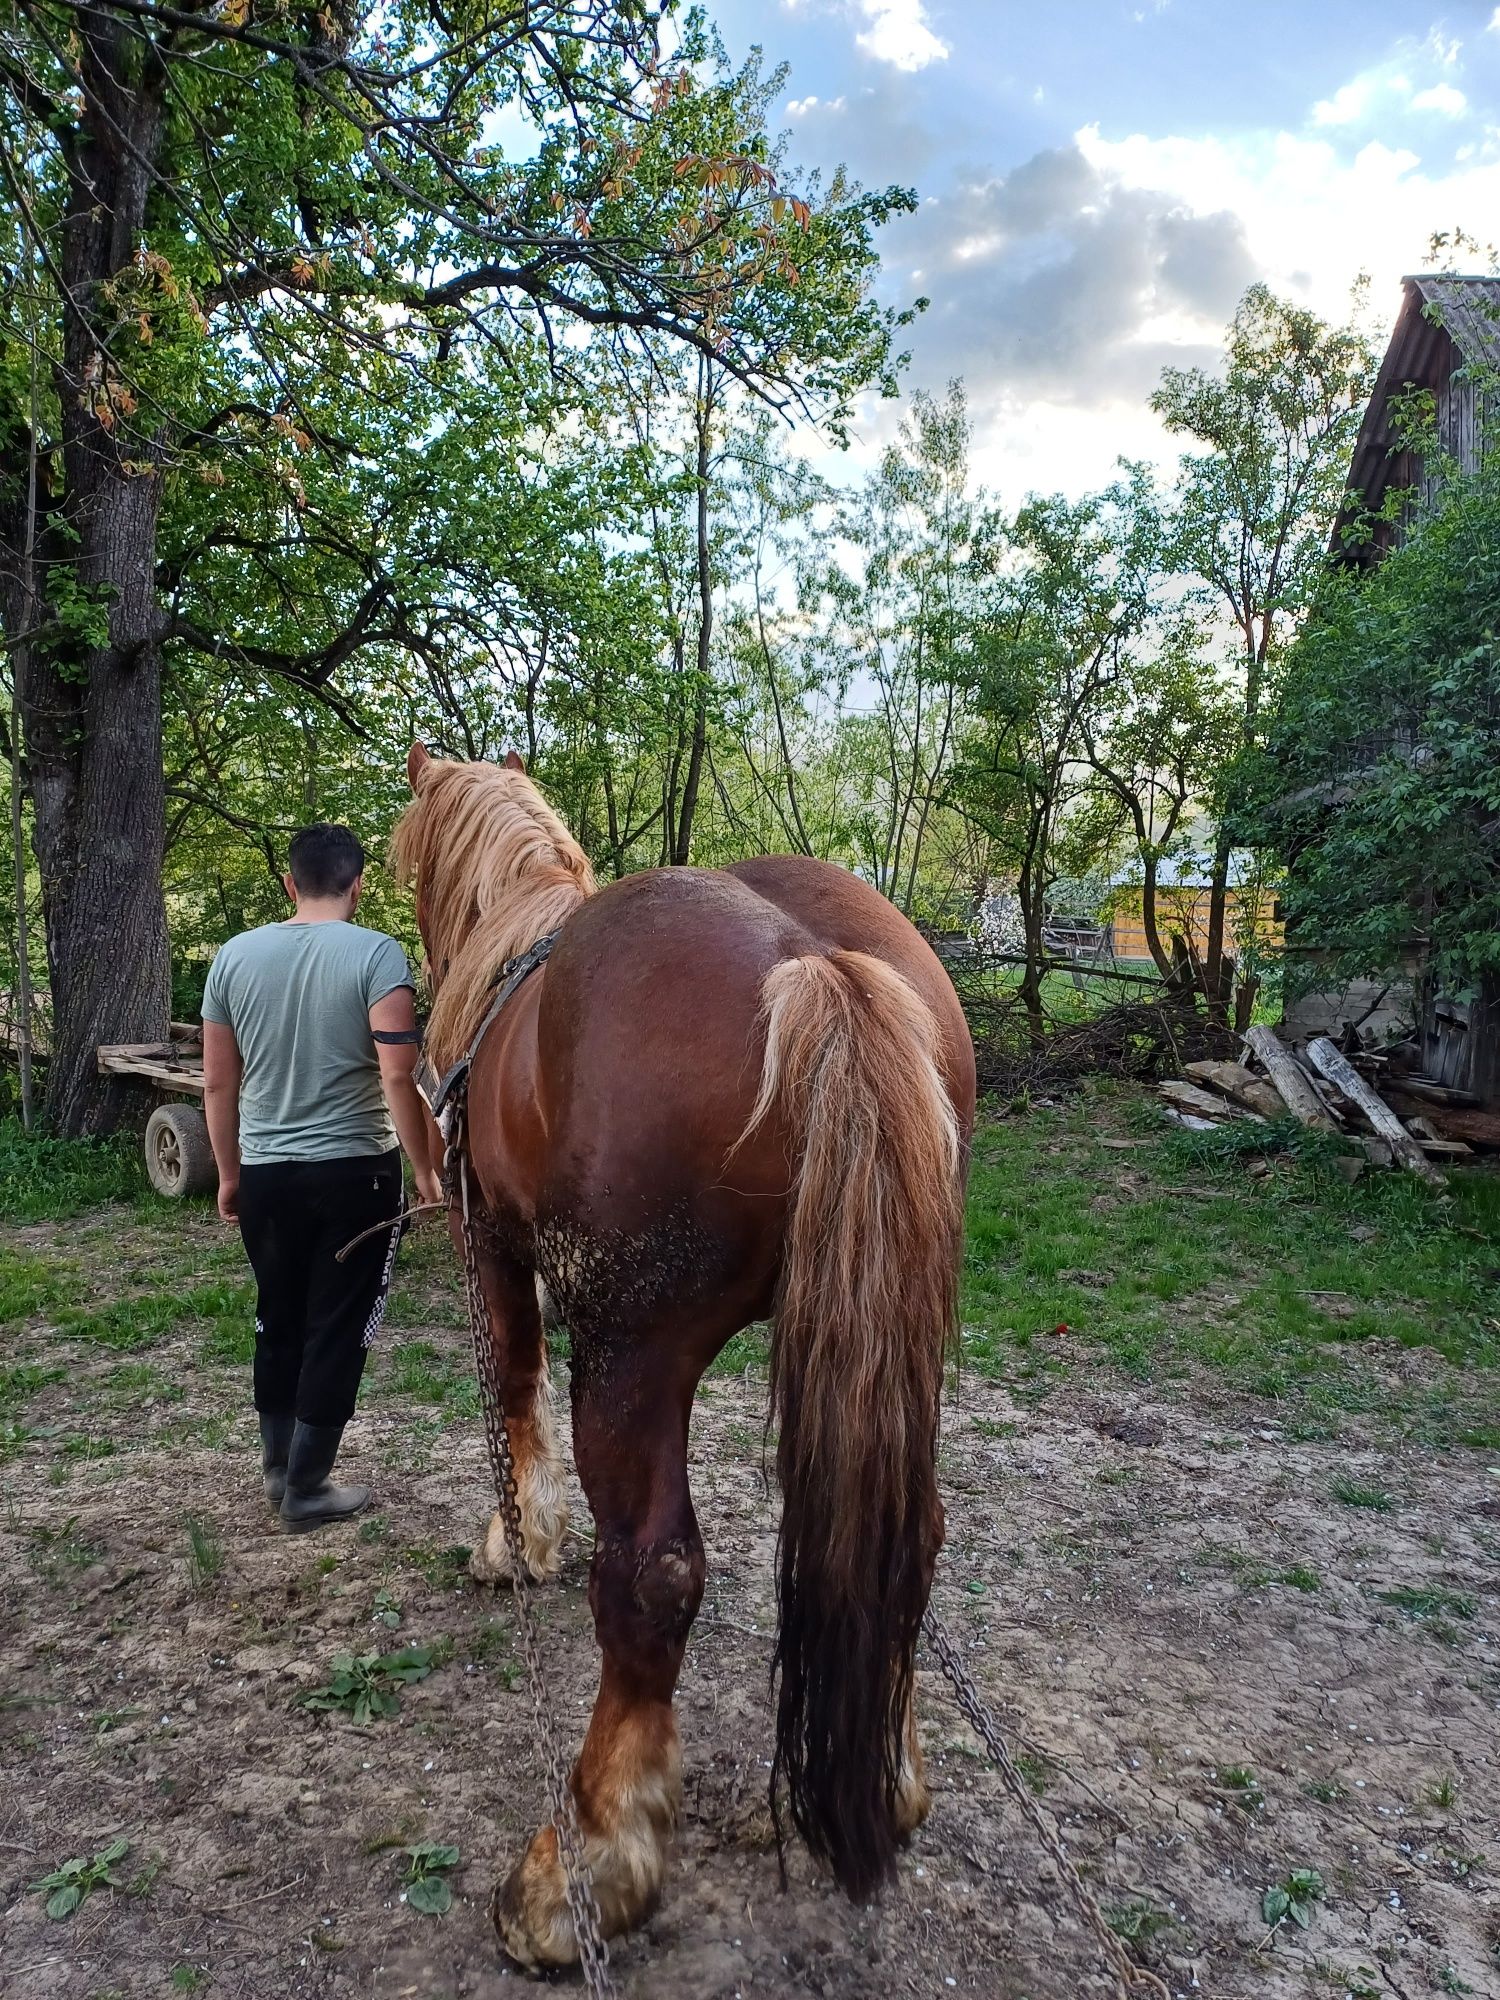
<point>1434,1093</point>
<point>1295,1087</point>
<point>1203,1103</point>
<point>1234,1080</point>
<point>1329,1062</point>
<point>154,1062</point>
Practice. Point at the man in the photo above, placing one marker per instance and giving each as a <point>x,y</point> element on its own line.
<point>309,1047</point>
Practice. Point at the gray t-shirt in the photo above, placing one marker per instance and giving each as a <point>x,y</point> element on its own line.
<point>298,999</point>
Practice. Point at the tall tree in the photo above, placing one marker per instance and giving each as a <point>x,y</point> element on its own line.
<point>1270,436</point>
<point>247,230</point>
<point>1156,745</point>
<point>1069,601</point>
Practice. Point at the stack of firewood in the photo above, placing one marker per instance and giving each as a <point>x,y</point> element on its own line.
<point>1390,1116</point>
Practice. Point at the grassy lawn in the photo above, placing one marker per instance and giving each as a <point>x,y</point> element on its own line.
<point>1097,1235</point>
<point>1099,1242</point>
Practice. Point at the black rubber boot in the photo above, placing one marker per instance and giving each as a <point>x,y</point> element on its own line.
<point>275,1448</point>
<point>311,1498</point>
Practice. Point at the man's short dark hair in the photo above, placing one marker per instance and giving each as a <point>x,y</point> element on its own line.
<point>325,860</point>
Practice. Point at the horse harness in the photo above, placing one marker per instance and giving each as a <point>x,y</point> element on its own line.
<point>511,977</point>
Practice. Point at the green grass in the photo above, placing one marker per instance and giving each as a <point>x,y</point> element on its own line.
<point>1427,1604</point>
<point>418,1369</point>
<point>51,1179</point>
<point>750,1349</point>
<point>1354,1493</point>
<point>20,1381</point>
<point>224,1308</point>
<point>1166,1258</point>
<point>30,1283</point>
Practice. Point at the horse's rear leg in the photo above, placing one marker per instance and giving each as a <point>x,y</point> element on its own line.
<point>630,1443</point>
<point>531,1423</point>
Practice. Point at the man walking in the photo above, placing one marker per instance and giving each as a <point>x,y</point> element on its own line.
<point>309,1047</point>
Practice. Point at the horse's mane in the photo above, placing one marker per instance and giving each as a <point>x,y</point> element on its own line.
<point>494,869</point>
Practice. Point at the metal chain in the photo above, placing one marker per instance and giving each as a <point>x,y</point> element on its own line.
<point>578,1881</point>
<point>1129,1977</point>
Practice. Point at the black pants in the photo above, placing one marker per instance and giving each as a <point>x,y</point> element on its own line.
<point>315,1319</point>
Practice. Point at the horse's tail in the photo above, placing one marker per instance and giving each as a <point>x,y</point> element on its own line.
<point>866,1306</point>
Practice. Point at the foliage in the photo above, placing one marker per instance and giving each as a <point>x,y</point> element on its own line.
<point>52,1179</point>
<point>1139,1921</point>
<point>427,1887</point>
<point>1358,1493</point>
<point>1380,782</point>
<point>72,1883</point>
<point>1256,502</point>
<point>1294,1899</point>
<point>321,422</point>
<point>364,1685</point>
<point>205,1554</point>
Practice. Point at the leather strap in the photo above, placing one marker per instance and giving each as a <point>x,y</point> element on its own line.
<point>510,978</point>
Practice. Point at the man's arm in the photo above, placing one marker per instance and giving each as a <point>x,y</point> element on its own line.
<point>222,1070</point>
<point>415,1126</point>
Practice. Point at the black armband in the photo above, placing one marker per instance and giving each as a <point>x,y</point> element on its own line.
<point>396,1036</point>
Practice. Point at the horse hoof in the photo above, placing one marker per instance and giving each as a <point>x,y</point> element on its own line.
<point>491,1562</point>
<point>530,1910</point>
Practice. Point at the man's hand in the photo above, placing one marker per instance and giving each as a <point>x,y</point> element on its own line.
<point>229,1200</point>
<point>429,1185</point>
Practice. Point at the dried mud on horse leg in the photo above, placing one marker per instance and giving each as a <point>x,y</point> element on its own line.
<point>1217,1671</point>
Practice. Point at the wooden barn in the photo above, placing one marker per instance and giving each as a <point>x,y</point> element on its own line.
<point>1445,349</point>
<point>1447,339</point>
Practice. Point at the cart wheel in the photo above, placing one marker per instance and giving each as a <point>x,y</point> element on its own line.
<point>179,1158</point>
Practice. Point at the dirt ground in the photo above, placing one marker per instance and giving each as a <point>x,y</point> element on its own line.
<point>1216,1671</point>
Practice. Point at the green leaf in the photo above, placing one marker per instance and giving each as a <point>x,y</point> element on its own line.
<point>116,1851</point>
<point>64,1901</point>
<point>432,1855</point>
<point>431,1895</point>
<point>412,1663</point>
<point>1274,1905</point>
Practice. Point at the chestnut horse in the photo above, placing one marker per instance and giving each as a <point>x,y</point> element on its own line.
<point>727,1096</point>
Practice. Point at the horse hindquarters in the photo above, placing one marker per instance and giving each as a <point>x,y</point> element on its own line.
<point>864,1312</point>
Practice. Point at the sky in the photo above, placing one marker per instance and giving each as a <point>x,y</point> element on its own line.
<point>1099,180</point>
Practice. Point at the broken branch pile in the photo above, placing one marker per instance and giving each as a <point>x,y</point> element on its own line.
<point>1407,1121</point>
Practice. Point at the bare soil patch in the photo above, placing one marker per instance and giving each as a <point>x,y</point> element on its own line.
<point>1218,1671</point>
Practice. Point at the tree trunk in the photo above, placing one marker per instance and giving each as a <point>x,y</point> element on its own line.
<point>94,761</point>
<point>682,845</point>
<point>1218,900</point>
<point>91,710</point>
<point>1159,954</point>
<point>1032,898</point>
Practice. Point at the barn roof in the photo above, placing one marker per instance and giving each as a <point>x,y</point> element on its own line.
<point>1446,321</point>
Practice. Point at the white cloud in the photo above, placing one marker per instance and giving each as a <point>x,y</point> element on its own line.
<point>1411,78</point>
<point>1441,97</point>
<point>1348,104</point>
<point>1494,27</point>
<point>1313,217</point>
<point>898,34</point>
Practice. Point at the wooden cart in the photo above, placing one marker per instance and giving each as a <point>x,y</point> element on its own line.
<point>179,1158</point>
